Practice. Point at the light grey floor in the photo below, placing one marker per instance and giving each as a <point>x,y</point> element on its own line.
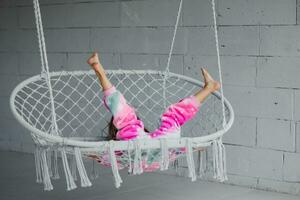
<point>17,181</point>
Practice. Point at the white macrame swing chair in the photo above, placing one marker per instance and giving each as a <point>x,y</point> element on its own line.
<point>65,115</point>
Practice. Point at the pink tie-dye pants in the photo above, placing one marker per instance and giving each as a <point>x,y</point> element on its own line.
<point>130,127</point>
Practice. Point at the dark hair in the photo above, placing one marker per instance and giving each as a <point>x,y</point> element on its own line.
<point>112,130</point>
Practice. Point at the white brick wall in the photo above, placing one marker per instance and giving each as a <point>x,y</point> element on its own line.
<point>282,133</point>
<point>237,70</point>
<point>77,61</point>
<point>243,132</point>
<point>8,18</point>
<point>297,127</point>
<point>30,62</point>
<point>149,13</point>
<point>287,187</point>
<point>254,162</point>
<point>236,12</point>
<point>197,13</point>
<point>280,41</point>
<point>261,102</point>
<point>155,62</point>
<point>68,40</point>
<point>291,168</point>
<point>260,49</point>
<point>297,105</point>
<point>271,74</point>
<point>239,40</point>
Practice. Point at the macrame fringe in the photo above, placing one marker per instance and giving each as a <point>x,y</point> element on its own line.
<point>175,165</point>
<point>55,165</point>
<point>85,181</point>
<point>219,160</point>
<point>49,163</point>
<point>137,163</point>
<point>146,158</point>
<point>190,159</point>
<point>70,181</point>
<point>45,171</point>
<point>165,159</point>
<point>74,168</point>
<point>37,159</point>
<point>201,164</point>
<point>114,165</point>
<point>178,165</point>
<point>41,166</point>
<point>129,158</point>
<point>94,173</point>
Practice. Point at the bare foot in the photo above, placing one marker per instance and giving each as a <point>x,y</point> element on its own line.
<point>210,83</point>
<point>94,62</point>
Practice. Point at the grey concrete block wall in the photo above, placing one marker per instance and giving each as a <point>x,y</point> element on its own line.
<point>260,48</point>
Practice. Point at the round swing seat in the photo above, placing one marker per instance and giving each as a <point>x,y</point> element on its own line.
<point>82,118</point>
<point>64,113</point>
<point>82,122</point>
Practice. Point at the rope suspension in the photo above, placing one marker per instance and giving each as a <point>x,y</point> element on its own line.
<point>174,36</point>
<point>219,59</point>
<point>167,70</point>
<point>44,61</point>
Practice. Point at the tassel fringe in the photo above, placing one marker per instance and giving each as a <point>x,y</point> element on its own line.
<point>190,159</point>
<point>74,168</point>
<point>201,164</point>
<point>49,163</point>
<point>55,166</point>
<point>45,171</point>
<point>94,173</point>
<point>165,159</point>
<point>41,166</point>
<point>137,163</point>
<point>85,181</point>
<point>70,181</point>
<point>129,158</point>
<point>219,160</point>
<point>37,159</point>
<point>114,165</point>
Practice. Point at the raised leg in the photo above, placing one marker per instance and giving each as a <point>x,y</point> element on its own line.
<point>179,113</point>
<point>94,62</point>
<point>124,117</point>
<point>210,86</point>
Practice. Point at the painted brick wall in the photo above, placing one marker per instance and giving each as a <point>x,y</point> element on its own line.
<point>260,47</point>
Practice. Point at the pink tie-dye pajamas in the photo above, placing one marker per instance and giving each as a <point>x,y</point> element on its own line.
<point>130,127</point>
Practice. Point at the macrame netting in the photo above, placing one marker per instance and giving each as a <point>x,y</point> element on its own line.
<point>81,115</point>
<point>66,116</point>
<point>80,111</point>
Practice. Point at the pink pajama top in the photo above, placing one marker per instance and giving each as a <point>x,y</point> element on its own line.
<point>130,127</point>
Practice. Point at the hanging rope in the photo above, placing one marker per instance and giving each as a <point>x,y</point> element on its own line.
<point>44,60</point>
<point>41,37</point>
<point>219,59</point>
<point>174,36</point>
<point>167,70</point>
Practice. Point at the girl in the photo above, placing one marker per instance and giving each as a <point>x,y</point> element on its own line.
<point>125,125</point>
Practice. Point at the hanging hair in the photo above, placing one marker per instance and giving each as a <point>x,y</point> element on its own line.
<point>112,130</point>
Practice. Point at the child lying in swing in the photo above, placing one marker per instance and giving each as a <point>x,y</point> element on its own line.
<point>125,125</point>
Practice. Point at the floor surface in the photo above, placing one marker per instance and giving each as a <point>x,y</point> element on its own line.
<point>17,181</point>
